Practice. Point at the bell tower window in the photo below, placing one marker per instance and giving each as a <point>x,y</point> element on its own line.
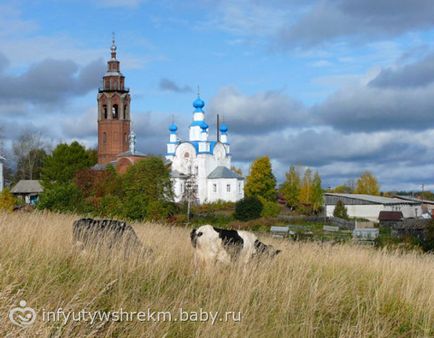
<point>125,112</point>
<point>104,108</point>
<point>115,112</point>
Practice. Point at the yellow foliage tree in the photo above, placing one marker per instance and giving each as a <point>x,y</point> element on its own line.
<point>261,181</point>
<point>306,188</point>
<point>7,200</point>
<point>367,184</point>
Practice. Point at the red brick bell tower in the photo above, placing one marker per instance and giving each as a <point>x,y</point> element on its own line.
<point>113,112</point>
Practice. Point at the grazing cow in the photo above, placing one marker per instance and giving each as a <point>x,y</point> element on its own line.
<point>225,246</point>
<point>109,234</point>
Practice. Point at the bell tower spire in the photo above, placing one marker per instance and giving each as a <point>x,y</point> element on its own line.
<point>113,111</point>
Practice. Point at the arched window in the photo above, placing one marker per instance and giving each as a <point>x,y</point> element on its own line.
<point>125,111</point>
<point>125,137</point>
<point>104,108</point>
<point>115,112</point>
<point>104,137</point>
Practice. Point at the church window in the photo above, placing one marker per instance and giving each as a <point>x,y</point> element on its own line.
<point>214,187</point>
<point>104,108</point>
<point>125,138</point>
<point>104,137</point>
<point>125,112</point>
<point>228,188</point>
<point>115,111</point>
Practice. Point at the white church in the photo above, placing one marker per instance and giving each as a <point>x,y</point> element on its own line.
<point>200,167</point>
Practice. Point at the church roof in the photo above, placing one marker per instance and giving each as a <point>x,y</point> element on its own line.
<point>129,153</point>
<point>223,172</point>
<point>177,174</point>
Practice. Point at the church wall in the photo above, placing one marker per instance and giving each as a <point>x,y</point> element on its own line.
<point>218,189</point>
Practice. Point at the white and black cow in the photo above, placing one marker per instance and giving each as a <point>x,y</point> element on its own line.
<point>214,245</point>
<point>102,233</point>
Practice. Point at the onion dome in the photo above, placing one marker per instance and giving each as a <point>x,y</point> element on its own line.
<point>224,128</point>
<point>198,104</point>
<point>204,125</point>
<point>173,128</point>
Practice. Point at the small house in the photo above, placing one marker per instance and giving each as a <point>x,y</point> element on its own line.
<point>28,191</point>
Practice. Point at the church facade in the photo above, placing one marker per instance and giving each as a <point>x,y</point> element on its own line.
<point>201,168</point>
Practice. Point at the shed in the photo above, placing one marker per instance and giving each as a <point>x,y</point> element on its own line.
<point>28,190</point>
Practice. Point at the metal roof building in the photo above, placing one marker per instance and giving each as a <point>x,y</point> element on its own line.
<point>369,206</point>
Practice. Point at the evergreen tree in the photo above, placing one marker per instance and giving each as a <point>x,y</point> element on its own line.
<point>261,181</point>
<point>340,210</point>
<point>291,188</point>
<point>316,197</point>
<point>367,184</point>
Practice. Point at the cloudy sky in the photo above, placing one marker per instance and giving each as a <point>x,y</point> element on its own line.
<point>341,86</point>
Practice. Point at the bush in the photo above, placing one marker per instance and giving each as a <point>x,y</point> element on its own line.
<point>7,200</point>
<point>62,198</point>
<point>248,208</point>
<point>340,210</point>
<point>269,208</point>
<point>428,243</point>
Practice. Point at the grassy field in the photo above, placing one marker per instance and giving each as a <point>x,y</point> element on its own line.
<point>308,291</point>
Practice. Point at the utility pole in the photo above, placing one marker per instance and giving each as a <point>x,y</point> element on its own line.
<point>190,192</point>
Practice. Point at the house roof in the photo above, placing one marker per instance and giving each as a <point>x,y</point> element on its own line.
<point>223,172</point>
<point>27,187</point>
<point>390,216</point>
<point>374,199</point>
<point>414,199</point>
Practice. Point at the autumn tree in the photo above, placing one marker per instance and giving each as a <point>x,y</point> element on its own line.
<point>306,188</point>
<point>261,182</point>
<point>367,184</point>
<point>316,196</point>
<point>237,170</point>
<point>290,189</point>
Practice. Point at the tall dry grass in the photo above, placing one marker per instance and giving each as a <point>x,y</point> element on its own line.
<point>308,291</point>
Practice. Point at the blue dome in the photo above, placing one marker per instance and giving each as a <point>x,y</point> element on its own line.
<point>223,128</point>
<point>198,103</point>
<point>173,127</point>
<point>204,125</point>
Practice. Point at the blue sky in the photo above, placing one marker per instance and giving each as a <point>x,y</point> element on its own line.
<point>339,86</point>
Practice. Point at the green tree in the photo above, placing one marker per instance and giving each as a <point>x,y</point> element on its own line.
<point>291,188</point>
<point>367,184</point>
<point>61,166</point>
<point>261,181</point>
<point>340,210</point>
<point>248,208</point>
<point>316,196</point>
<point>147,189</point>
<point>62,198</point>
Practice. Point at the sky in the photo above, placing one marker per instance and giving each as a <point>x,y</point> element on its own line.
<point>340,86</point>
